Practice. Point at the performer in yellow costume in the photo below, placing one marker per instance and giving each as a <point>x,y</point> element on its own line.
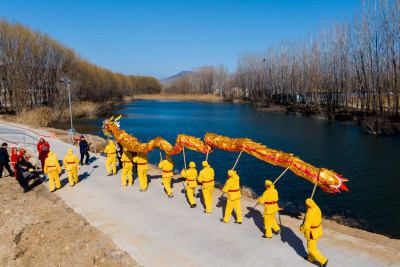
<point>127,164</point>
<point>111,157</point>
<point>270,198</point>
<point>142,167</point>
<point>233,189</point>
<point>191,183</point>
<point>167,165</point>
<point>53,169</point>
<point>206,177</point>
<point>71,166</point>
<point>312,230</point>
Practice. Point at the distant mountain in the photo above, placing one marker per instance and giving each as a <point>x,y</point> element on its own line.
<point>180,74</point>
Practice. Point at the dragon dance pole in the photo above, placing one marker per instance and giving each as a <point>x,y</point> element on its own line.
<point>160,155</point>
<point>315,186</point>
<point>237,160</point>
<point>207,155</point>
<point>280,175</point>
<point>184,158</point>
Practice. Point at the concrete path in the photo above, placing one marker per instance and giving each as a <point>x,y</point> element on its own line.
<point>158,231</point>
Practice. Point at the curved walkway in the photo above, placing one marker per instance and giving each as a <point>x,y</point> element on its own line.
<point>158,231</point>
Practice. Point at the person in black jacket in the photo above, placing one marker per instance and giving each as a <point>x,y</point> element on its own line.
<point>4,160</point>
<point>84,149</point>
<point>23,166</point>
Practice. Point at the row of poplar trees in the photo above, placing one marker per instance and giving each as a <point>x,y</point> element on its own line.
<point>32,64</point>
<point>349,66</point>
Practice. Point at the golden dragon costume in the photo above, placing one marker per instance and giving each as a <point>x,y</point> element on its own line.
<point>328,180</point>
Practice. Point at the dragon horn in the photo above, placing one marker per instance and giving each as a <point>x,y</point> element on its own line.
<point>117,118</point>
<point>110,120</point>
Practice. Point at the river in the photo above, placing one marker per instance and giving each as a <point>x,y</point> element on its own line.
<point>371,163</point>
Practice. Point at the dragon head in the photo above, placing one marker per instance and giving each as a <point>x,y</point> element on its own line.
<point>107,123</point>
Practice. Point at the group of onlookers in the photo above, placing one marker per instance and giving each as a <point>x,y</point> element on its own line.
<point>19,161</point>
<point>23,168</point>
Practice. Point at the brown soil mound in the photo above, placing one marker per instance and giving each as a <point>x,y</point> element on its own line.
<point>39,229</point>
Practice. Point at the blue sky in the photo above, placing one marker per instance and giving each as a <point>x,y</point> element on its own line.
<point>162,38</point>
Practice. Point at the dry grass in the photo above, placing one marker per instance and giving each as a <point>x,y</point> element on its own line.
<point>37,117</point>
<point>81,109</point>
<point>44,116</point>
<point>180,97</point>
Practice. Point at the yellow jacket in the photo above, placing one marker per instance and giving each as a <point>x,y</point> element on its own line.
<point>51,163</point>
<point>268,198</point>
<point>126,158</point>
<point>110,149</point>
<point>206,177</point>
<point>167,166</point>
<point>311,226</point>
<point>70,161</point>
<point>141,161</point>
<point>190,175</point>
<point>232,186</point>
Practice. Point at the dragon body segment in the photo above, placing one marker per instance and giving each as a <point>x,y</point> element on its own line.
<point>328,180</point>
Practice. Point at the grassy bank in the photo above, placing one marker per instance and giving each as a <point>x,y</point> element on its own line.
<point>45,116</point>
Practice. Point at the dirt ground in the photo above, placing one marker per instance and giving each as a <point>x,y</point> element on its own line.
<point>39,229</point>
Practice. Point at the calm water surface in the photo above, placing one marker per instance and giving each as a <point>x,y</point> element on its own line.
<point>370,163</point>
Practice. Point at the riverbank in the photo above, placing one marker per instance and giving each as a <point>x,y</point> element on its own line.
<point>45,116</point>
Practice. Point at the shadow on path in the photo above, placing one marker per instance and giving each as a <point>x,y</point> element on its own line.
<point>289,237</point>
<point>257,218</point>
<point>200,196</point>
<point>92,159</point>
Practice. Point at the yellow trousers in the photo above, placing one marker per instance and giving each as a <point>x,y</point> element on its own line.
<point>142,175</point>
<point>190,195</point>
<point>53,177</point>
<point>229,208</point>
<point>207,194</point>
<point>313,252</point>
<point>167,185</point>
<point>126,171</point>
<point>109,161</point>
<point>269,221</point>
<point>73,176</point>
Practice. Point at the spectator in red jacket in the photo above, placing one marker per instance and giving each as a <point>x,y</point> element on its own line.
<point>14,156</point>
<point>41,144</point>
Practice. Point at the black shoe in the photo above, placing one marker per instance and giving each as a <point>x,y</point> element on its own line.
<point>171,196</point>
<point>278,232</point>
<point>87,163</point>
<point>264,236</point>
<point>193,206</point>
<point>143,190</point>
<point>110,174</point>
<point>306,258</point>
<point>325,264</point>
<point>25,190</point>
<point>222,220</point>
<point>238,222</point>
